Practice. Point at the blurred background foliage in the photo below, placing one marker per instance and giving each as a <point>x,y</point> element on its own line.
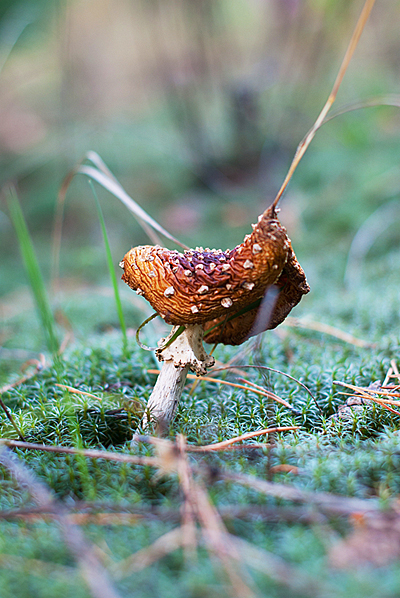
<point>197,107</point>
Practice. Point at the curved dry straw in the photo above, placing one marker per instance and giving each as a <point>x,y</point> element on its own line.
<point>303,145</point>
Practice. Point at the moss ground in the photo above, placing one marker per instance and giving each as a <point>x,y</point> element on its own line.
<point>358,457</point>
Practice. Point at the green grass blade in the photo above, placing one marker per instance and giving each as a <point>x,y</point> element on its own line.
<point>111,269</point>
<point>33,271</point>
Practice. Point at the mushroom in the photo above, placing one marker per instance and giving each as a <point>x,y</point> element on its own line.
<point>211,290</point>
<point>237,328</point>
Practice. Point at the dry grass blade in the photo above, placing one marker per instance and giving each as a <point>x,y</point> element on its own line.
<point>99,513</point>
<point>362,389</point>
<point>101,165</point>
<point>94,157</point>
<point>275,514</point>
<point>302,147</point>
<point>106,179</point>
<point>193,448</point>
<point>386,393</point>
<point>118,191</point>
<point>285,468</point>
<point>396,373</point>
<point>327,329</point>
<point>383,404</point>
<point>93,572</point>
<point>268,393</point>
<point>264,367</point>
<point>11,420</point>
<point>218,446</point>
<point>366,394</point>
<point>76,391</point>
<point>236,357</point>
<point>134,514</point>
<point>389,374</point>
<point>360,394</point>
<point>39,364</point>
<point>253,387</point>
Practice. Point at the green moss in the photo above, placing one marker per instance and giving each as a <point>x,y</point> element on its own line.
<point>359,456</point>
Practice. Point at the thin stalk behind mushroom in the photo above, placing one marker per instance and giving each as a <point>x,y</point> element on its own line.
<point>202,286</point>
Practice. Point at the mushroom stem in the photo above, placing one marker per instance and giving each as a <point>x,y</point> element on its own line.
<point>167,391</point>
<point>184,353</point>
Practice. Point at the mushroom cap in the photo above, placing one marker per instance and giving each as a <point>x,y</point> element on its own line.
<point>292,285</point>
<point>200,285</point>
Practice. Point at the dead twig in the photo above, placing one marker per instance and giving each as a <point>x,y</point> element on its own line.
<point>324,501</point>
<point>90,513</point>
<point>92,570</point>
<point>270,395</point>
<point>90,453</point>
<point>196,507</point>
<point>383,404</point>
<point>214,531</point>
<point>78,518</point>
<point>131,515</point>
<point>39,365</point>
<point>218,446</point>
<point>392,372</point>
<point>189,536</point>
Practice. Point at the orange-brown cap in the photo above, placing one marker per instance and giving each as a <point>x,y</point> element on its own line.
<point>200,285</point>
<point>291,285</point>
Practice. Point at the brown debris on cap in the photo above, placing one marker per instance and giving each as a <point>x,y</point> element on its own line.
<point>292,285</point>
<point>200,285</point>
